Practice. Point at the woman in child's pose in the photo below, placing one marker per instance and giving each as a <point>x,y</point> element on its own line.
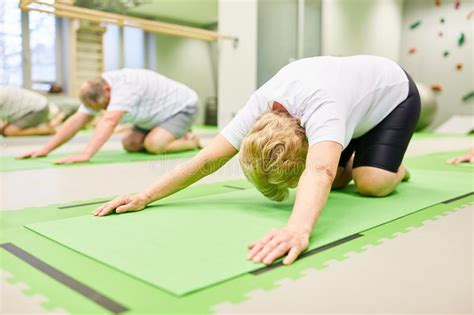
<point>317,124</point>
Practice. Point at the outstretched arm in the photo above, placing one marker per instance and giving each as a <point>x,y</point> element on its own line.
<point>311,195</point>
<point>103,131</point>
<point>209,160</point>
<point>64,134</point>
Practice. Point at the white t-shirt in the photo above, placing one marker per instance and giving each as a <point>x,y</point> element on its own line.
<point>335,98</point>
<point>17,102</point>
<point>149,98</point>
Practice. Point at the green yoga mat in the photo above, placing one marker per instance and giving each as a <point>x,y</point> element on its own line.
<point>437,161</point>
<point>9,163</point>
<point>185,245</point>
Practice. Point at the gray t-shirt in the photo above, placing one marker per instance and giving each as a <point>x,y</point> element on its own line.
<point>16,102</point>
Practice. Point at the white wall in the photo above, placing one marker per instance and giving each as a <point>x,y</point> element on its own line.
<point>189,61</point>
<point>237,65</point>
<point>352,27</point>
<point>312,28</point>
<point>277,35</point>
<point>428,65</point>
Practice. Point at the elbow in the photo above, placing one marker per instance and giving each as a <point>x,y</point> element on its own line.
<point>111,122</point>
<point>324,172</point>
<point>207,162</point>
<point>208,167</point>
<point>195,167</point>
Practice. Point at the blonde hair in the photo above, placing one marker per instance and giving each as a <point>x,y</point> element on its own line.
<point>273,153</point>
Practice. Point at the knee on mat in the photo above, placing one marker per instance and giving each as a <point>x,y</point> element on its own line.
<point>153,146</point>
<point>132,144</point>
<point>372,185</point>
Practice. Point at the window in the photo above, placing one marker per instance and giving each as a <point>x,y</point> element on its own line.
<point>42,50</point>
<point>10,44</point>
<point>112,47</point>
<point>41,66</point>
<point>134,43</point>
<point>128,47</point>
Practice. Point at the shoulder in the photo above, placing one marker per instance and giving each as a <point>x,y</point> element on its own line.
<point>372,59</point>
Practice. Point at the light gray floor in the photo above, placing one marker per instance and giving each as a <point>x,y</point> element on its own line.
<point>425,271</point>
<point>14,301</point>
<point>428,270</point>
<point>60,185</point>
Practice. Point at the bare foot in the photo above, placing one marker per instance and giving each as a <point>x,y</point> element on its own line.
<point>189,136</point>
<point>406,175</point>
<point>121,128</point>
<point>57,119</point>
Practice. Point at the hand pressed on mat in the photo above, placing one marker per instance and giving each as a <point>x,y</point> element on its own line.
<point>34,154</point>
<point>122,204</point>
<point>77,158</point>
<point>290,241</point>
<point>207,161</point>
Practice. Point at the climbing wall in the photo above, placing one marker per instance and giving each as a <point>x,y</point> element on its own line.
<point>437,49</point>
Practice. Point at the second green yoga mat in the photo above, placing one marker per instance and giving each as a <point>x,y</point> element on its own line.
<point>437,161</point>
<point>9,163</point>
<point>187,245</point>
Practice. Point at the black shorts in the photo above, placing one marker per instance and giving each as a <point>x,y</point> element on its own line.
<point>384,146</point>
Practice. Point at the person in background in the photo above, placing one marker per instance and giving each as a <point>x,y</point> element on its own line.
<point>466,158</point>
<point>65,103</point>
<point>26,113</point>
<point>160,109</point>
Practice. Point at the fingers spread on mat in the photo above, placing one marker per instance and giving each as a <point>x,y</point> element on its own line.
<point>277,243</point>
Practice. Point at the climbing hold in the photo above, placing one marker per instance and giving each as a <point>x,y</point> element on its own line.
<point>415,24</point>
<point>438,3</point>
<point>459,66</point>
<point>435,87</point>
<point>468,96</point>
<point>446,54</point>
<point>412,50</point>
<point>457,4</point>
<point>440,34</point>
<point>441,20</point>
<point>461,39</point>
